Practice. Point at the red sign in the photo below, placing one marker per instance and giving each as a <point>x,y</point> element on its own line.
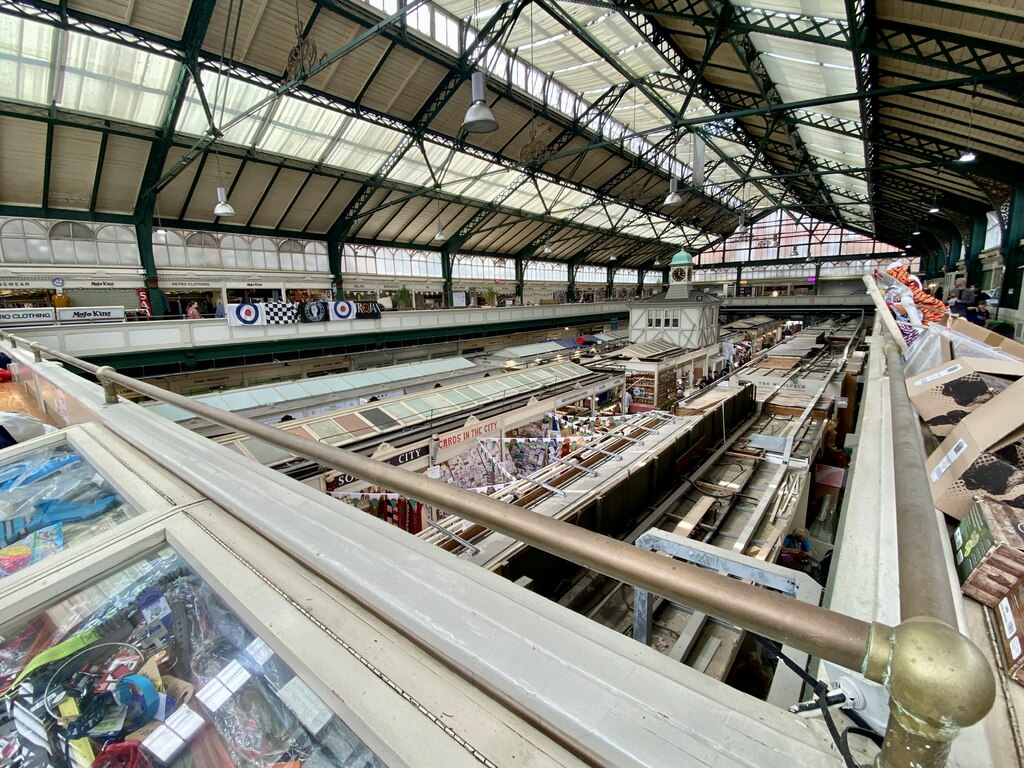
<point>145,308</point>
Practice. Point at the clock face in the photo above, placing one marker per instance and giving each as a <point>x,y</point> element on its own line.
<point>678,274</point>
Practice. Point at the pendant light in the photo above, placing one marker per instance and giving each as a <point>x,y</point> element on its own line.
<point>547,249</point>
<point>968,156</point>
<point>439,236</point>
<point>223,207</point>
<point>742,228</point>
<point>479,117</point>
<point>673,197</point>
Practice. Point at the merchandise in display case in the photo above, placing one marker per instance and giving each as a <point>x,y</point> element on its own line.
<point>150,666</point>
<point>52,497</point>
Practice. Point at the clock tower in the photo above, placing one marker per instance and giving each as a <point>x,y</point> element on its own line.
<point>683,316</point>
<point>680,274</point>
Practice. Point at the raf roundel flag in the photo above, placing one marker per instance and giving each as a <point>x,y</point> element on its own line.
<point>342,310</point>
<point>245,314</point>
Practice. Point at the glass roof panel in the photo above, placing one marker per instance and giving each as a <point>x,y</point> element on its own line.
<point>290,391</point>
<point>413,169</point>
<point>823,9</point>
<point>804,70</point>
<point>231,97</point>
<point>112,80</point>
<point>300,129</point>
<point>326,429</point>
<point>458,396</point>
<point>314,387</point>
<point>621,38</point>
<point>237,401</point>
<point>398,410</point>
<point>362,146</point>
<point>265,453</point>
<point>561,200</point>
<point>25,50</point>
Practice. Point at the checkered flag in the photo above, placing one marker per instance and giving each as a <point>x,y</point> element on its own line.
<point>280,313</point>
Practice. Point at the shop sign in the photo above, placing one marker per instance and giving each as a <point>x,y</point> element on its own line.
<point>89,314</point>
<point>24,284</point>
<point>459,436</point>
<point>33,316</point>
<point>405,457</point>
<point>103,283</point>
<point>179,283</point>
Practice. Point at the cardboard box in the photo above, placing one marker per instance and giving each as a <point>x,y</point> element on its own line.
<point>989,550</point>
<point>944,395</point>
<point>962,468</point>
<point>1010,621</point>
<point>985,336</point>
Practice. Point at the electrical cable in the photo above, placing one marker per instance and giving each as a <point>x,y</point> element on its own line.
<point>821,692</point>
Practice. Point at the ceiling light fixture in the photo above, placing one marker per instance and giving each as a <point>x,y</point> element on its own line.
<point>933,209</point>
<point>795,253</point>
<point>916,232</point>
<point>223,207</point>
<point>439,236</point>
<point>968,156</point>
<point>741,228</point>
<point>479,117</point>
<point>673,197</point>
<point>547,249</point>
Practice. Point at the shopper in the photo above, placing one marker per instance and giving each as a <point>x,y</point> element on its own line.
<point>979,315</point>
<point>796,550</point>
<point>963,299</point>
<point>193,311</point>
<point>219,311</point>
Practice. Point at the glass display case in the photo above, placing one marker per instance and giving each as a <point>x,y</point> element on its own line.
<point>148,664</point>
<point>70,487</point>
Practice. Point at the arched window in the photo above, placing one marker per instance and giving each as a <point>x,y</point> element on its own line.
<point>116,245</point>
<point>293,258</point>
<point>73,243</point>
<point>316,257</point>
<point>993,231</point>
<point>23,241</point>
<point>203,250</point>
<point>234,252</point>
<point>264,254</point>
<point>169,249</point>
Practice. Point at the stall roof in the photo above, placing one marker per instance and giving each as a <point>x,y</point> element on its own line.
<point>651,350</point>
<point>341,428</point>
<point>302,389</point>
<point>531,350</point>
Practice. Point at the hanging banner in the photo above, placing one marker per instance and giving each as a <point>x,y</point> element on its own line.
<point>313,312</point>
<point>145,308</point>
<point>367,310</point>
<point>343,310</point>
<point>245,314</point>
<point>280,313</point>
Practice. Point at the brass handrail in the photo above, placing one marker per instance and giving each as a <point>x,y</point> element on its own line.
<point>938,680</point>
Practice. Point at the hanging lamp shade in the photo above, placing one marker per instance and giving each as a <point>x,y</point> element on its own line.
<point>479,117</point>
<point>967,157</point>
<point>547,249</point>
<point>673,197</point>
<point>223,208</point>
<point>439,236</point>
<point>933,209</point>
